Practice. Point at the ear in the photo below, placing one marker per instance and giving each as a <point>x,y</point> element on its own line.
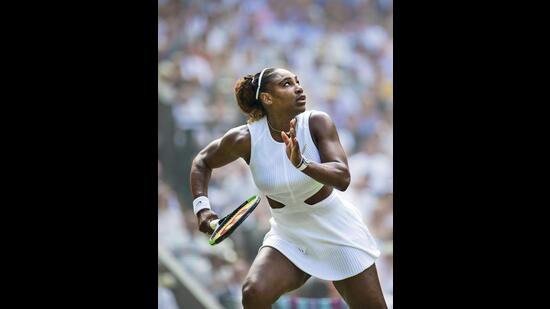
<point>266,98</point>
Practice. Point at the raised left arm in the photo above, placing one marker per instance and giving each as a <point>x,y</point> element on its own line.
<point>333,169</point>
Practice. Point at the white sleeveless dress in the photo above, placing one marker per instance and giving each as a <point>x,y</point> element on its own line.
<point>327,240</point>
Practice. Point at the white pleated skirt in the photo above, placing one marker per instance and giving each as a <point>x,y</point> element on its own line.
<point>327,240</point>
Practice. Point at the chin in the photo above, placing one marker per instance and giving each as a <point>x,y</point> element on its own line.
<point>301,108</point>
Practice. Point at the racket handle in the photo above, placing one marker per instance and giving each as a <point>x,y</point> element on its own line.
<point>214,223</point>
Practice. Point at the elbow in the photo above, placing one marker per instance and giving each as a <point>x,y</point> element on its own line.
<point>346,180</point>
<point>199,161</point>
<point>344,185</point>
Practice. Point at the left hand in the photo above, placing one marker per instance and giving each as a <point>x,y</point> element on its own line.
<point>292,146</point>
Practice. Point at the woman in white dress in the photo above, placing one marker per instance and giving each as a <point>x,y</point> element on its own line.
<point>297,161</point>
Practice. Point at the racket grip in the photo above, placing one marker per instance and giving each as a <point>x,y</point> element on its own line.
<point>214,223</point>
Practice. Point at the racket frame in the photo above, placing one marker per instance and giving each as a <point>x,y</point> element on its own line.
<point>221,222</point>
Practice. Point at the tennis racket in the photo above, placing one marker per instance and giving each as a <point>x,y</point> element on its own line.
<point>225,226</point>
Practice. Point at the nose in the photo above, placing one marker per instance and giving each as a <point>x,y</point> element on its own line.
<point>299,89</point>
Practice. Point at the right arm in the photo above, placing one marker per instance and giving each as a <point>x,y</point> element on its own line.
<point>233,145</point>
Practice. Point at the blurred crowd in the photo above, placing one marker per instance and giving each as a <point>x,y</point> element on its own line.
<point>342,52</point>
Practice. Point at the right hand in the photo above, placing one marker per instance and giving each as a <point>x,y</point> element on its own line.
<point>292,145</point>
<point>204,217</point>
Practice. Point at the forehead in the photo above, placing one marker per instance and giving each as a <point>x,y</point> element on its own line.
<point>281,74</point>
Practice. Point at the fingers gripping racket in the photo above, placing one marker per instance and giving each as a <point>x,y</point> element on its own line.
<point>225,226</point>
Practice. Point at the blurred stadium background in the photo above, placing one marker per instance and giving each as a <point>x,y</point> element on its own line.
<point>342,51</point>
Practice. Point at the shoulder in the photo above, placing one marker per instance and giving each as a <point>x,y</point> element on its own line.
<point>238,139</point>
<point>321,127</point>
<point>320,122</point>
<point>237,135</point>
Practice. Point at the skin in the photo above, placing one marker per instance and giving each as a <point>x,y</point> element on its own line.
<point>271,273</point>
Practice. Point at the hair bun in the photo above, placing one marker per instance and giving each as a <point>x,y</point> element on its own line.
<point>245,93</point>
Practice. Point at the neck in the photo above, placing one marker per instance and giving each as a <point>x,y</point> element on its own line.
<point>279,124</point>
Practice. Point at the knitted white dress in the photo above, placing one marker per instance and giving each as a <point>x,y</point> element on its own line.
<point>327,240</point>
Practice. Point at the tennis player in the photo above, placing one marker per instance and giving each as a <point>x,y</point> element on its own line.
<point>297,161</point>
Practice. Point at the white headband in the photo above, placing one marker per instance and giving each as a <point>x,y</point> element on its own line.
<point>260,83</point>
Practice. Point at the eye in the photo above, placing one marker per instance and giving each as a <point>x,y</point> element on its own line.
<point>286,83</point>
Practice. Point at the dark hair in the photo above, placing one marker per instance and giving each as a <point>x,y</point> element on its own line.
<point>245,93</point>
